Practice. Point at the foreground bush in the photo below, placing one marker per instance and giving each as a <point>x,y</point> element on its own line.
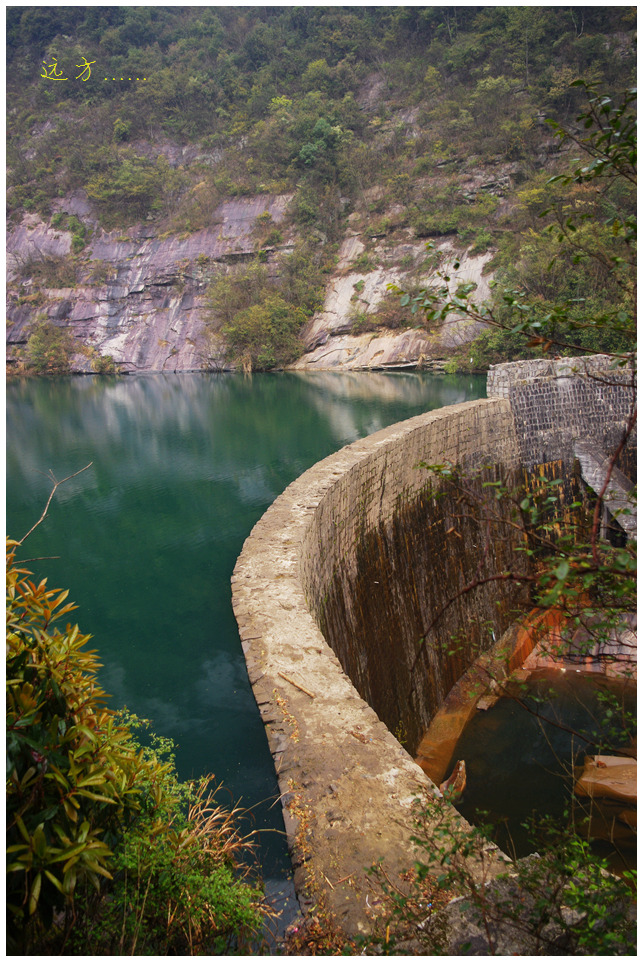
<point>107,852</point>
<point>562,901</point>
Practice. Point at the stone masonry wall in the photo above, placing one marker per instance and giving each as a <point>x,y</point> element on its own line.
<point>347,784</point>
<point>558,402</point>
<point>392,546</point>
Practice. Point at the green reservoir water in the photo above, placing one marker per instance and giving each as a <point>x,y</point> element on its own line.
<point>147,538</point>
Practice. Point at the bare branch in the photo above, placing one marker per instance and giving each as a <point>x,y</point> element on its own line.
<point>52,493</point>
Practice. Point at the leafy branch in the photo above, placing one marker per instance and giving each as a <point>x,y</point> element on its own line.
<point>610,146</point>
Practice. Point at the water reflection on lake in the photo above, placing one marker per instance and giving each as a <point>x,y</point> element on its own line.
<point>183,467</point>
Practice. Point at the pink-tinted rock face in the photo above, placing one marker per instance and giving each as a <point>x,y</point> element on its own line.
<point>146,307</point>
<point>149,313</point>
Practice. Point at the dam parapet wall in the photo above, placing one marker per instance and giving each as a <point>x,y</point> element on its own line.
<point>389,548</point>
<point>347,784</point>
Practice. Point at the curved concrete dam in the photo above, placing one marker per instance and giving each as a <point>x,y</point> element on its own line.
<point>356,619</point>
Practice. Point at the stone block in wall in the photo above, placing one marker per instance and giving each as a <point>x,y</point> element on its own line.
<point>559,402</point>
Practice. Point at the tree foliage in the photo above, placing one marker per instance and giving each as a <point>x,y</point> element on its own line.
<point>287,83</point>
<point>575,280</point>
<point>130,187</point>
<point>265,335</point>
<point>49,348</point>
<point>71,769</point>
<point>563,901</point>
<point>261,316</point>
<point>391,112</point>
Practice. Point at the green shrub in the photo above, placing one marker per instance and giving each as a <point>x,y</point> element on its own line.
<point>561,901</point>
<point>129,189</point>
<point>379,227</point>
<point>104,364</point>
<point>49,348</point>
<point>108,853</point>
<point>178,887</point>
<point>122,129</point>
<point>302,276</point>
<point>438,223</point>
<point>483,240</point>
<point>51,271</point>
<point>265,336</point>
<point>273,238</point>
<point>305,207</point>
<point>71,771</point>
<point>364,263</point>
<point>361,322</point>
<point>79,233</point>
<point>230,293</point>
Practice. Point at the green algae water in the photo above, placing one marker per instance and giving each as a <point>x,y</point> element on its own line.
<point>147,538</point>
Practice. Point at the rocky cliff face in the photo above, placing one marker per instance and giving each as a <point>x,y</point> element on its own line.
<point>147,310</point>
<point>140,296</point>
<point>330,338</point>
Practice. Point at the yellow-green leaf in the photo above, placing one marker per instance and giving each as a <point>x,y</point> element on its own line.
<point>54,881</point>
<point>39,842</point>
<point>34,894</point>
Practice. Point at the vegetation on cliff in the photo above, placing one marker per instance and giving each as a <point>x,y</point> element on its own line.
<point>571,286</point>
<point>257,315</point>
<point>399,123</point>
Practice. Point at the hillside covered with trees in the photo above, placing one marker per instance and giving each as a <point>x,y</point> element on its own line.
<point>390,126</point>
